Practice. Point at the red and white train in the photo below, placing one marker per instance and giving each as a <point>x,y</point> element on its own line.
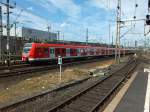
<point>33,52</point>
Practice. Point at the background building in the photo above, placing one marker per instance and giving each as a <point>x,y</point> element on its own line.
<point>34,34</point>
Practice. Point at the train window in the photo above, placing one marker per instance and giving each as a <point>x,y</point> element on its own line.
<point>39,51</point>
<point>113,51</point>
<point>68,51</point>
<point>71,51</point>
<point>75,51</point>
<point>63,51</point>
<point>93,51</point>
<point>103,51</point>
<point>58,51</point>
<point>46,50</point>
<point>78,51</point>
<point>85,51</point>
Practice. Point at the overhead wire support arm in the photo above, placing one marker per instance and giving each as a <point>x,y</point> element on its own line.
<point>8,5</point>
<point>126,32</point>
<point>130,20</point>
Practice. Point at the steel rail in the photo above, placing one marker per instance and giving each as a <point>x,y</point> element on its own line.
<point>68,101</point>
<point>15,104</point>
<point>55,108</point>
<point>97,107</point>
<point>34,69</point>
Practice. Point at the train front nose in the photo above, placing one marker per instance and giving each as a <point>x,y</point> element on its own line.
<point>24,57</point>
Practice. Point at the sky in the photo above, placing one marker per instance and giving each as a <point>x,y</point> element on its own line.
<point>72,17</point>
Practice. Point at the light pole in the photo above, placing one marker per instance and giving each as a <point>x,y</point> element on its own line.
<point>8,34</point>
<point>16,28</point>
<point>109,34</point>
<point>112,39</point>
<point>49,28</point>
<point>1,33</point>
<point>87,36</point>
<point>124,40</point>
<point>58,35</point>
<point>63,37</point>
<point>117,47</point>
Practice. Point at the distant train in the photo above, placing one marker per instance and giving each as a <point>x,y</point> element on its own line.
<point>33,52</point>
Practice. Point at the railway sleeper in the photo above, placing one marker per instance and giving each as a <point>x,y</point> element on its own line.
<point>102,89</point>
<point>80,108</point>
<point>116,77</point>
<point>81,104</point>
<point>95,92</point>
<point>93,101</point>
<point>72,108</point>
<point>108,86</point>
<point>122,71</point>
<point>91,96</point>
<point>66,110</point>
<point>102,94</point>
<point>97,95</point>
<point>99,87</point>
<point>89,100</point>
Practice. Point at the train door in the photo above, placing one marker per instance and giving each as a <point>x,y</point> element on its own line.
<point>74,52</point>
<point>68,52</point>
<point>52,52</point>
<point>78,52</point>
<point>88,51</point>
<point>95,51</point>
<point>82,52</point>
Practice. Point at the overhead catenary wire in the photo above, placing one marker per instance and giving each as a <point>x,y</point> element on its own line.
<point>148,6</point>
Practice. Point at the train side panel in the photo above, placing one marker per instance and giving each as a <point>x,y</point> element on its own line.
<point>39,52</point>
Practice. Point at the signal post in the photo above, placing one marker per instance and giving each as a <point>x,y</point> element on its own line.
<point>60,64</point>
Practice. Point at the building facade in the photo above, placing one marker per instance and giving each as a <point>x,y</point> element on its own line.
<point>35,34</point>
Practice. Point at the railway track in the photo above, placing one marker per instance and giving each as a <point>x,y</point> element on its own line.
<point>26,69</point>
<point>14,66</point>
<point>92,99</point>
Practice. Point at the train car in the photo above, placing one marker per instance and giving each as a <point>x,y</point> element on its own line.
<point>33,52</point>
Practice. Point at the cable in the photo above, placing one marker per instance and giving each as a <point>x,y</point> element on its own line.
<point>148,6</point>
<point>18,15</point>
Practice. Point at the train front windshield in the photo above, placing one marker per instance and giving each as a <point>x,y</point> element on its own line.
<point>27,47</point>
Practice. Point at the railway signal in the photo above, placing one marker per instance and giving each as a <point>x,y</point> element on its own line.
<point>60,63</point>
<point>148,16</point>
<point>148,19</point>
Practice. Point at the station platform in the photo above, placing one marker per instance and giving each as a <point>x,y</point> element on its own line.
<point>136,98</point>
